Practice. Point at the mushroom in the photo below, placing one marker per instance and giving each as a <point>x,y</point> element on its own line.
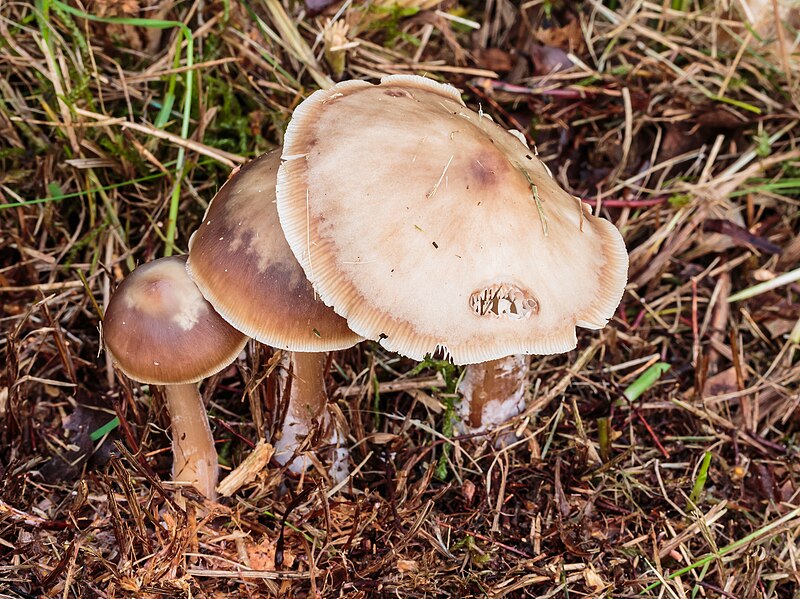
<point>240,260</point>
<point>159,330</point>
<point>434,230</point>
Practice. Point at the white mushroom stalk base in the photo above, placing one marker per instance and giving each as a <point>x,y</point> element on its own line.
<point>308,411</point>
<point>194,455</point>
<point>493,393</point>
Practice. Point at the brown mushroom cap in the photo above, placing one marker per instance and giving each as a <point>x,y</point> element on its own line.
<point>240,260</point>
<point>429,227</point>
<point>159,329</point>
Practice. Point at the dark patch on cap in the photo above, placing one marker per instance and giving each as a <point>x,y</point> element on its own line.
<point>488,169</point>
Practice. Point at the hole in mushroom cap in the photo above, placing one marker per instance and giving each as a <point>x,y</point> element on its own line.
<point>504,300</point>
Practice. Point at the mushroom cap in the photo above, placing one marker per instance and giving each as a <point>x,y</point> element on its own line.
<point>240,261</point>
<point>431,228</point>
<point>159,329</point>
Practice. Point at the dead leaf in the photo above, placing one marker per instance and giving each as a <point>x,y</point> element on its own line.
<point>468,488</point>
<point>494,59</point>
<point>407,565</point>
<point>569,37</point>
<point>740,235</point>
<point>721,383</point>
<point>314,7</point>
<point>262,555</point>
<point>76,446</point>
<point>593,580</point>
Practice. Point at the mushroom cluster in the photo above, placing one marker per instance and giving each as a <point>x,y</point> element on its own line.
<point>240,260</point>
<point>394,213</point>
<point>174,321</point>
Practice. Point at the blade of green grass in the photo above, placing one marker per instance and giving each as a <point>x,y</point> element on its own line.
<point>101,432</point>
<point>78,194</point>
<point>554,426</point>
<point>769,186</point>
<point>700,483</point>
<point>604,438</point>
<point>794,336</point>
<point>646,380</point>
<point>737,103</point>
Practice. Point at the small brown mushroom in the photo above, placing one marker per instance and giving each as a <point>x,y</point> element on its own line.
<point>159,330</point>
<point>240,260</point>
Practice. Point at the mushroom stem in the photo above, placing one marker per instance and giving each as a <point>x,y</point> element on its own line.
<point>193,453</point>
<point>308,397</point>
<point>307,402</point>
<point>493,392</point>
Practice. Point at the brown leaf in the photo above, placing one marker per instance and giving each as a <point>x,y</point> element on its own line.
<point>494,59</point>
<point>721,383</point>
<point>721,118</point>
<point>468,488</point>
<point>593,580</point>
<point>764,482</point>
<point>569,37</point>
<point>78,446</point>
<point>262,555</point>
<point>314,7</point>
<point>407,565</point>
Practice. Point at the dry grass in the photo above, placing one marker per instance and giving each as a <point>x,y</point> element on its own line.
<point>676,121</point>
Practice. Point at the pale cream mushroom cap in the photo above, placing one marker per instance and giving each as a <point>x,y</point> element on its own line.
<point>417,219</point>
<point>159,329</point>
<point>240,260</point>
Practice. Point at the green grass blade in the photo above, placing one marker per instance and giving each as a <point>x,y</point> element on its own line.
<point>700,483</point>
<point>78,194</point>
<point>737,103</point>
<point>101,432</point>
<point>646,380</point>
<point>792,185</point>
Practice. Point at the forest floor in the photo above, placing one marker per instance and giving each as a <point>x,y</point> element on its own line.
<point>658,459</point>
